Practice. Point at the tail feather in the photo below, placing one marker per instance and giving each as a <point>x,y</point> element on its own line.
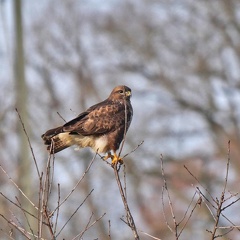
<point>57,145</point>
<point>53,141</point>
<point>51,133</point>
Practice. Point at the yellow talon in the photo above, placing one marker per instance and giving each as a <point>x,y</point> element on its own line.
<point>116,159</point>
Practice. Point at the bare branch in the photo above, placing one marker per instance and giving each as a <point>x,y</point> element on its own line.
<point>109,229</point>
<point>21,230</point>
<point>200,184</point>
<point>29,142</point>
<point>230,204</point>
<point>58,209</point>
<point>147,234</point>
<point>73,189</point>
<point>190,215</point>
<point>24,213</point>
<point>129,216</point>
<point>61,117</point>
<point>133,149</point>
<point>8,199</point>
<point>20,190</point>
<point>164,215</point>
<point>86,227</point>
<point>74,212</point>
<point>79,235</point>
<point>189,205</point>
<point>220,203</point>
<point>169,201</point>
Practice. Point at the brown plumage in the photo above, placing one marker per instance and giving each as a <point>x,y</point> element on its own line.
<point>101,127</point>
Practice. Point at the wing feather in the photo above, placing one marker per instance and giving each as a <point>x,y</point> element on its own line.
<point>100,119</point>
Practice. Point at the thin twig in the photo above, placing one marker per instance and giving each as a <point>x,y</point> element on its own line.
<point>74,212</point>
<point>227,227</point>
<point>61,117</point>
<point>79,235</point>
<point>19,189</point>
<point>129,216</point>
<point>8,199</point>
<point>24,213</point>
<point>58,209</point>
<point>45,191</point>
<point>103,158</point>
<point>189,205</point>
<point>40,215</point>
<point>224,234</point>
<point>49,225</point>
<point>133,149</point>
<point>147,234</point>
<point>163,208</point>
<point>169,200</point>
<point>109,229</point>
<point>73,189</point>
<point>49,175</point>
<point>141,231</point>
<point>227,170</point>
<point>206,202</point>
<point>22,231</point>
<point>200,184</point>
<point>52,175</point>
<point>230,204</point>
<point>86,227</point>
<point>190,215</point>
<point>220,203</point>
<point>18,222</point>
<point>125,182</point>
<point>29,142</point>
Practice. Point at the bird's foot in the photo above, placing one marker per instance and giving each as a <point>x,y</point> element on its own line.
<point>109,155</point>
<point>116,159</point>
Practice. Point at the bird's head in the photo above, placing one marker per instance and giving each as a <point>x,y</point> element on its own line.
<point>120,93</point>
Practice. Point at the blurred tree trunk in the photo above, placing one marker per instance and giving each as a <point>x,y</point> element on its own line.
<point>24,176</point>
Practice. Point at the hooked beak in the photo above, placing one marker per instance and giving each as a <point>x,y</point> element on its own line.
<point>128,93</point>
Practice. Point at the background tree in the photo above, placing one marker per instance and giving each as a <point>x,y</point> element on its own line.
<point>181,60</point>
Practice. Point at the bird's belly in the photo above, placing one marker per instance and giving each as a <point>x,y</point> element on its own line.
<point>99,144</point>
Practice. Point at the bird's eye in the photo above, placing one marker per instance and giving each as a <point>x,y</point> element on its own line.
<point>121,91</point>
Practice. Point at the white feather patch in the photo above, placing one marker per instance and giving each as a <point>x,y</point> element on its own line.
<point>99,144</point>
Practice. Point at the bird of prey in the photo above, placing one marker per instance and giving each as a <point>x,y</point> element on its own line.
<point>101,127</point>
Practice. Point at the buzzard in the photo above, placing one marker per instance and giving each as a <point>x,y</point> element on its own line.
<point>101,127</point>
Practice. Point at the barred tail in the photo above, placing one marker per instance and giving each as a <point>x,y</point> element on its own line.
<point>54,142</point>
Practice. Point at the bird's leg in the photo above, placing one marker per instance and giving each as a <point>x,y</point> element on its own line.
<point>115,159</point>
<point>109,155</point>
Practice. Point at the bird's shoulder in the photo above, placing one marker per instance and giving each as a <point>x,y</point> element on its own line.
<point>98,119</point>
